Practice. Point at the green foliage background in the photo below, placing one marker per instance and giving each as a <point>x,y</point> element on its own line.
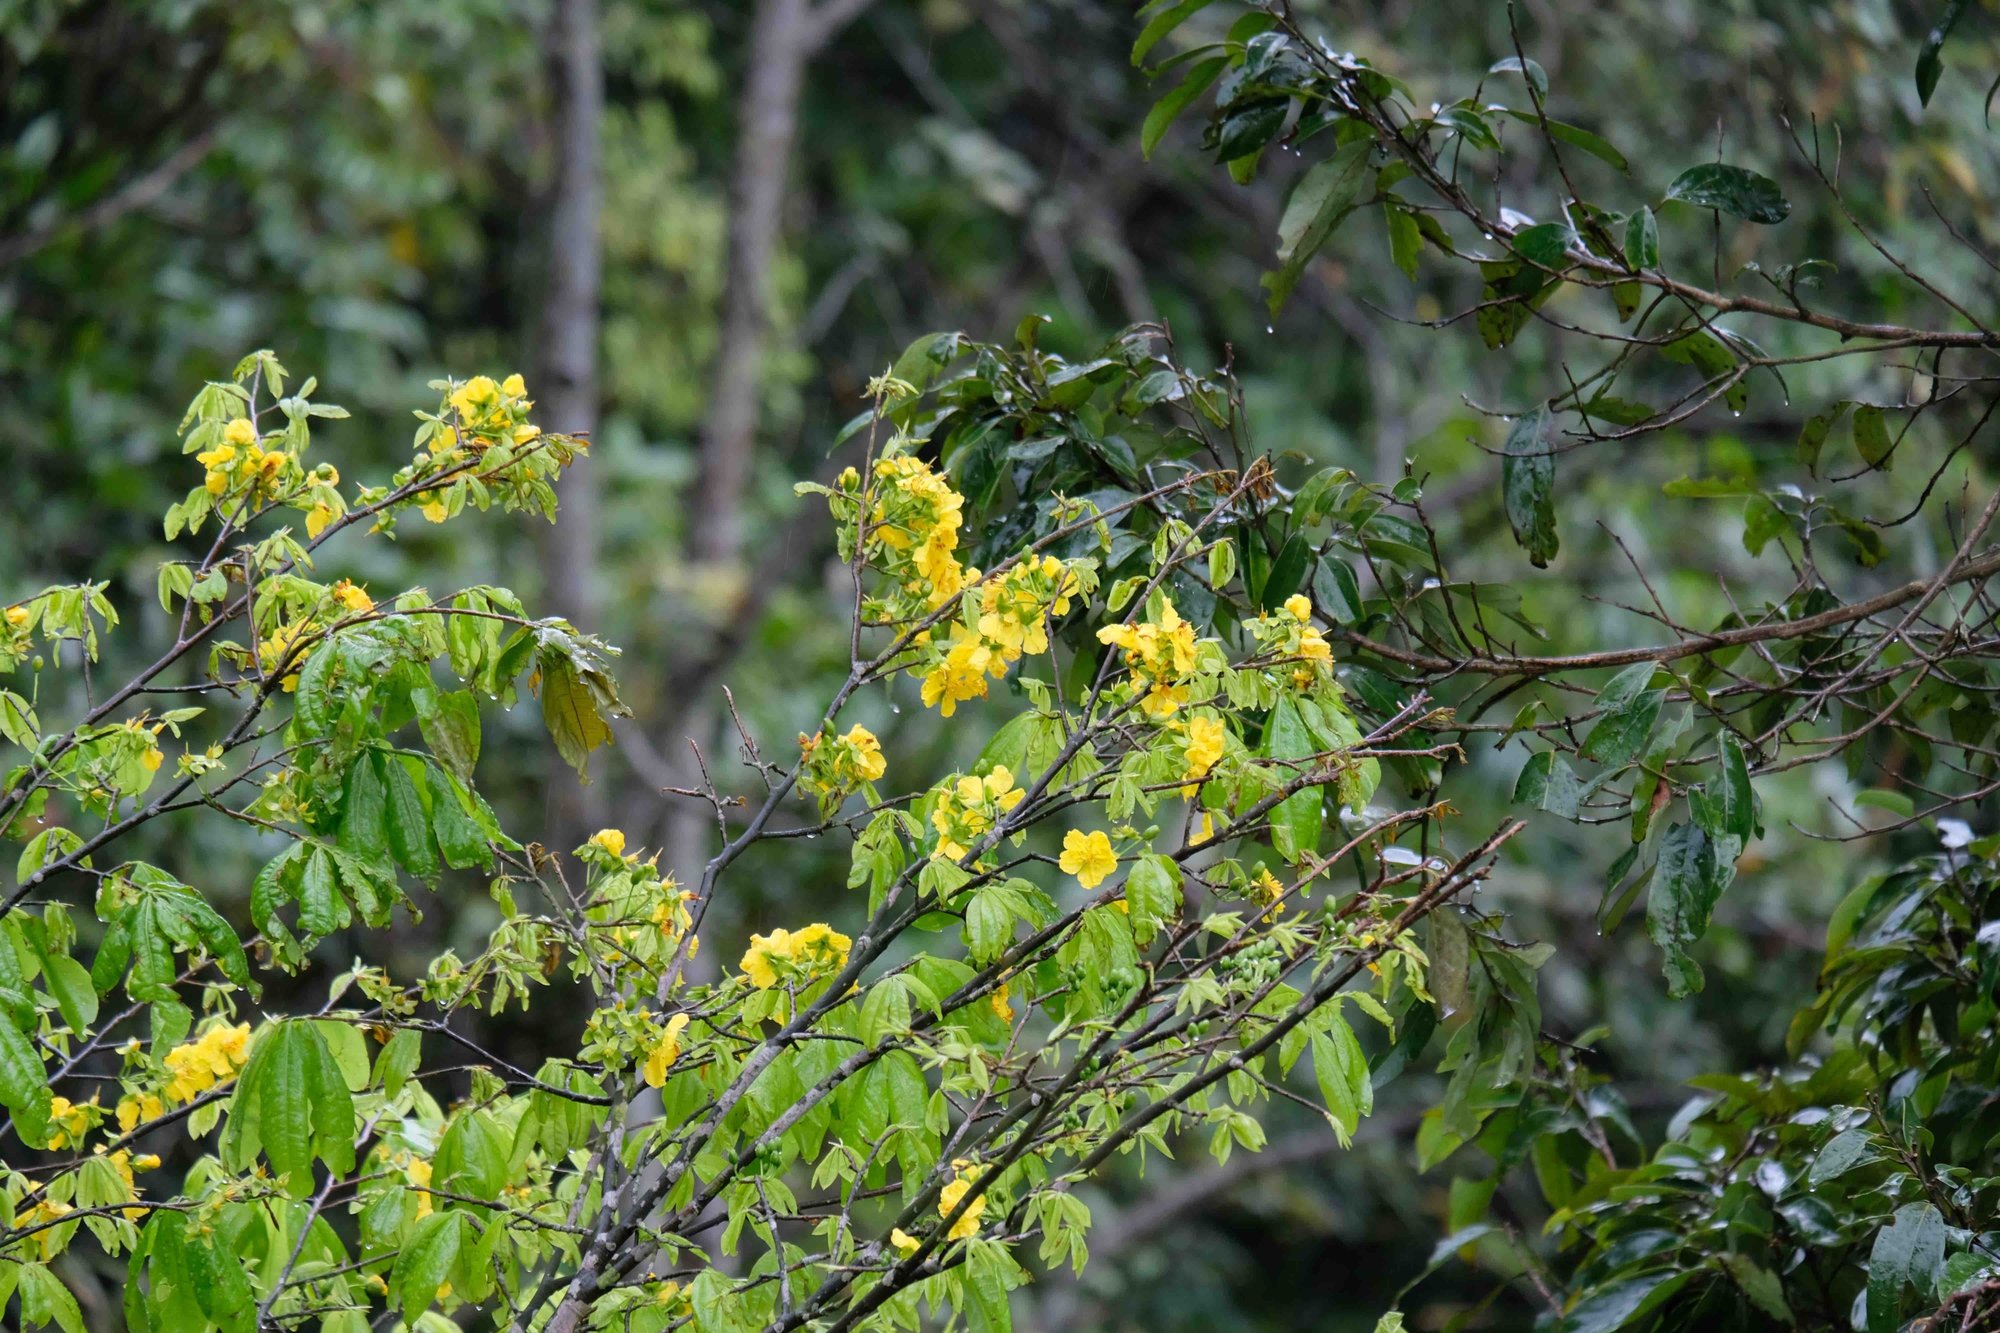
<point>370,200</point>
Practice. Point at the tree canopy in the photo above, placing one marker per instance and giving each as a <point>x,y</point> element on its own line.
<point>1399,733</point>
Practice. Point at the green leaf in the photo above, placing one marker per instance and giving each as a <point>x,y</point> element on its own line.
<point>1871,436</point>
<point>1163,23</point>
<point>24,1083</point>
<point>1812,435</point>
<point>570,711</point>
<point>1153,893</point>
<point>320,909</point>
<point>460,838</point>
<point>1527,484</point>
<point>425,1260</point>
<point>1544,244</point>
<point>1342,1072</point>
<point>1537,77</point>
<point>1548,783</point>
<point>1760,1284</point>
<point>398,1060</point>
<point>1168,109</point>
<point>1296,820</point>
<point>45,1300</point>
<point>1627,713</point>
<point>1575,137</point>
<point>1737,191</point>
<point>1620,1304</point>
<point>363,801</point>
<point>1642,239</point>
<point>450,726</point>
<point>1320,202</point>
<point>300,1102</point>
<point>1908,1252</point>
<point>409,824</point>
<point>472,1156</point>
<point>1406,239</point>
<point>1688,880</point>
<point>1930,59</point>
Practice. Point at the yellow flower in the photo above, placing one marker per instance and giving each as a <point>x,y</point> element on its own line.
<point>526,431</point>
<point>193,1067</point>
<point>1088,856</point>
<point>814,951</point>
<point>1268,890</point>
<point>869,765</point>
<point>240,431</point>
<point>418,1173</point>
<point>137,1107</point>
<point>435,511</point>
<point>216,482</point>
<point>278,650</point>
<point>221,456</point>
<point>151,759</point>
<point>444,442</point>
<point>962,674</point>
<point>353,598</point>
<point>318,517</point>
<point>665,1051</point>
<point>1314,648</point>
<point>45,1211</point>
<point>1161,655</point>
<point>475,397</point>
<point>904,1242</point>
<point>998,999</point>
<point>1206,739</point>
<point>17,616</point>
<point>68,1123</point>
<point>968,1222</point>
<point>514,386</point>
<point>1299,606</point>
<point>610,839</point>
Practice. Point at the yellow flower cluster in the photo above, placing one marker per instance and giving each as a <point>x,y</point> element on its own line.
<point>967,807</point>
<point>1088,856</point>
<point>961,672</point>
<point>353,598</point>
<point>49,1239</point>
<point>956,1189</point>
<point>18,617</point>
<point>485,409</point>
<point>916,516</point>
<point>240,462</point>
<point>1014,608</point>
<point>836,765</point>
<point>1291,634</point>
<point>68,1122</point>
<point>483,412</point>
<point>1202,747</point>
<point>813,951</point>
<point>218,1055</point>
<point>1161,655</point>
<point>276,649</point>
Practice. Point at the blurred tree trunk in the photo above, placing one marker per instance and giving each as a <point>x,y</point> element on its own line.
<point>566,358</point>
<point>785,34</point>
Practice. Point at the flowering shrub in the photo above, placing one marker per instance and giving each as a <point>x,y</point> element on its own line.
<point>1140,938</point>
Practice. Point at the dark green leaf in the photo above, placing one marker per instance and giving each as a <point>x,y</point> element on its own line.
<point>1737,191</point>
<point>1320,202</point>
<point>1527,485</point>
